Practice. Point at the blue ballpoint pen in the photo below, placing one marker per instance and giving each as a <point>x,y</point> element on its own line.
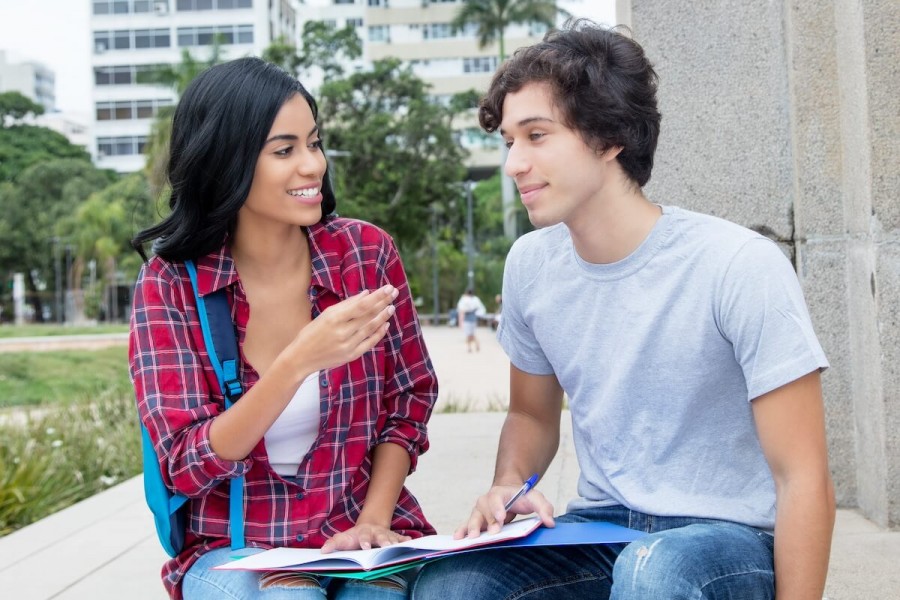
<point>522,491</point>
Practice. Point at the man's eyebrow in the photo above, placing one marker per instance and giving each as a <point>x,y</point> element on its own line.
<point>291,137</point>
<point>528,121</point>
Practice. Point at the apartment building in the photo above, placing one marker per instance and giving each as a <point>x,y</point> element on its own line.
<point>29,78</point>
<point>131,37</point>
<point>419,32</point>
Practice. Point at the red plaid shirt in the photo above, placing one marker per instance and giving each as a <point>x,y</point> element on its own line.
<point>384,396</point>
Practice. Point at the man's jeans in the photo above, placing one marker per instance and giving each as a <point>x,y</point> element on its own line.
<point>680,558</point>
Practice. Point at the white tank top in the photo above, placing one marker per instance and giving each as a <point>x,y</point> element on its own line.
<point>295,429</point>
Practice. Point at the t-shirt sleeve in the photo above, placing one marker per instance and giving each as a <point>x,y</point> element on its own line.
<point>514,333</point>
<point>763,314</point>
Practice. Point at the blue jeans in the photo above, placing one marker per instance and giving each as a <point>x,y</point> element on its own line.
<point>202,583</point>
<point>680,558</point>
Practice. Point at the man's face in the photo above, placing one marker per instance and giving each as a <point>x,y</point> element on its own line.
<point>558,176</point>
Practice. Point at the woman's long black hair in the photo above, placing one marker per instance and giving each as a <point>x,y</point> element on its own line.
<point>219,129</point>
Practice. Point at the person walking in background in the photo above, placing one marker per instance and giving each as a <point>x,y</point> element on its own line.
<point>682,342</point>
<point>468,309</point>
<point>339,385</point>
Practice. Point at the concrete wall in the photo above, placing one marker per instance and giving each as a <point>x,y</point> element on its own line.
<point>783,115</point>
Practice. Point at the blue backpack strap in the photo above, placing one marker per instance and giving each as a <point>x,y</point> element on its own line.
<point>221,346</point>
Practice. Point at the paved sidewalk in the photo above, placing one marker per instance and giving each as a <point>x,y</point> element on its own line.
<point>105,547</point>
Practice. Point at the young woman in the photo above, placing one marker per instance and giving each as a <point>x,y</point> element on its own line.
<point>338,383</point>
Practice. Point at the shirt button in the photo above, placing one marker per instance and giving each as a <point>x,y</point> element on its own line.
<point>299,537</point>
<point>324,382</point>
<point>300,496</point>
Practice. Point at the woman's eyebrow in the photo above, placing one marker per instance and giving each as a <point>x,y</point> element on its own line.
<point>291,137</point>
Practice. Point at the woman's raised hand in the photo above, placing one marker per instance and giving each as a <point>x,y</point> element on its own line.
<point>345,331</point>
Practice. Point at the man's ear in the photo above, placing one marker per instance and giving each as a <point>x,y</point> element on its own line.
<point>611,153</point>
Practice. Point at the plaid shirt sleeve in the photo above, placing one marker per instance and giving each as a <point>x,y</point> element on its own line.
<point>173,389</point>
<point>410,388</point>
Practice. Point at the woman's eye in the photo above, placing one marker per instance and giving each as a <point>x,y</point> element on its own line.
<point>316,145</point>
<point>284,151</point>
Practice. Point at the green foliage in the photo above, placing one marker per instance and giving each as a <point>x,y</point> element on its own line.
<point>397,154</point>
<point>15,107</point>
<point>102,226</point>
<point>51,377</point>
<point>42,330</point>
<point>492,17</point>
<point>58,457</point>
<point>322,46</point>
<point>22,146</point>
<point>176,76</point>
<point>42,197</point>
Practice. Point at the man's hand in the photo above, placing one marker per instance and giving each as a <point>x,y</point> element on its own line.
<point>489,512</point>
<point>363,536</point>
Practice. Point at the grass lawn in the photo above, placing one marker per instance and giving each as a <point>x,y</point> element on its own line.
<point>11,331</point>
<point>47,378</point>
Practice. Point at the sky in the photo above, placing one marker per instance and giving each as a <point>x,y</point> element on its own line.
<point>56,33</point>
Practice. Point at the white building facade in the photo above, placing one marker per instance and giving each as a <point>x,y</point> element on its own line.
<point>31,79</point>
<point>131,37</point>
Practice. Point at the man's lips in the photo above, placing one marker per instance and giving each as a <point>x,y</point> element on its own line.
<point>529,192</point>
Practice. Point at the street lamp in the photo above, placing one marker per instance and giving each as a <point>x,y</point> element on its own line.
<point>435,289</point>
<point>470,236</point>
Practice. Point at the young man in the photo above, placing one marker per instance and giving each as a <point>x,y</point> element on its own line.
<point>682,341</point>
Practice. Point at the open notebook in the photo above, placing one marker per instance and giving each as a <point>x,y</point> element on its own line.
<point>522,533</point>
<point>311,559</point>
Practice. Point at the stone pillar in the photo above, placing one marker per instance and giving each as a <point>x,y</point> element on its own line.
<point>783,116</point>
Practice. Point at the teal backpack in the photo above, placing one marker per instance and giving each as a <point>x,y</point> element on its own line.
<point>170,510</point>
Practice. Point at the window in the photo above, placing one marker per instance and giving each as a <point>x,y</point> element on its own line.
<point>344,1</point>
<point>197,5</point>
<point>480,64</point>
<point>355,22</point>
<point>378,3</point>
<point>379,33</point>
<point>126,110</point>
<point>437,30</point>
<point>121,7</point>
<point>121,146</point>
<point>123,74</point>
<point>122,40</point>
<point>204,36</point>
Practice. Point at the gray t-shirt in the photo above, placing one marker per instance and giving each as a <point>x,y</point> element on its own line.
<point>660,355</point>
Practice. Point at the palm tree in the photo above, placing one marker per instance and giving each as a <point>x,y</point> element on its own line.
<point>491,18</point>
<point>178,77</point>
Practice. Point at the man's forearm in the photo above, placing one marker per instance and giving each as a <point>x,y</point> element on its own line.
<point>803,530</point>
<point>527,446</point>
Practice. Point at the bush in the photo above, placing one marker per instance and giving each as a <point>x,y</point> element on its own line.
<point>64,454</point>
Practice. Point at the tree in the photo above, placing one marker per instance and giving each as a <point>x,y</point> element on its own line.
<point>492,17</point>
<point>322,47</point>
<point>15,107</point>
<point>393,152</point>
<point>33,206</point>
<point>22,145</point>
<point>177,76</point>
<point>101,227</point>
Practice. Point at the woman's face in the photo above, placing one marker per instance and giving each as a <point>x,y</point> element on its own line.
<point>287,182</point>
